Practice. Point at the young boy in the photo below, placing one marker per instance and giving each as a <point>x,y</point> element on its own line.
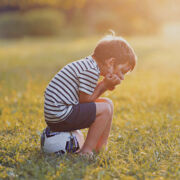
<point>72,97</point>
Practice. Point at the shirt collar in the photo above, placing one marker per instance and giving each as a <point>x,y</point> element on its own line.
<point>94,63</point>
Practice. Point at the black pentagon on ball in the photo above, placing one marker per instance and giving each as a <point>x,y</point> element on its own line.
<point>43,139</point>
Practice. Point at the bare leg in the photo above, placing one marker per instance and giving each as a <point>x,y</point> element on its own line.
<point>103,115</point>
<point>104,137</point>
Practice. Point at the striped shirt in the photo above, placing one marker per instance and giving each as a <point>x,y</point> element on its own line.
<point>63,90</point>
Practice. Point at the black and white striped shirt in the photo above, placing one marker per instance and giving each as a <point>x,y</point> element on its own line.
<point>63,90</point>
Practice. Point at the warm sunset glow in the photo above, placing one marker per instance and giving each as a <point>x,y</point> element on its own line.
<point>39,37</point>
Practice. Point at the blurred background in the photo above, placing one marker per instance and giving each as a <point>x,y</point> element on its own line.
<point>38,37</point>
<point>22,18</point>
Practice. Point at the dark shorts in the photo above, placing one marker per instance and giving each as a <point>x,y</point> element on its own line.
<point>82,116</point>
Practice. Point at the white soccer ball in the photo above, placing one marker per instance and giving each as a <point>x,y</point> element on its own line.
<point>61,142</point>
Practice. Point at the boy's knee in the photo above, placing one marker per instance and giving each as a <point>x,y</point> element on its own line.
<point>103,109</point>
<point>109,101</point>
<point>108,113</point>
<point>108,110</point>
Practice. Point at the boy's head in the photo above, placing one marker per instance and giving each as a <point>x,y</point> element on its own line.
<point>114,54</point>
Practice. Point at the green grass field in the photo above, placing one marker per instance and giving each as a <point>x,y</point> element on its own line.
<point>145,136</point>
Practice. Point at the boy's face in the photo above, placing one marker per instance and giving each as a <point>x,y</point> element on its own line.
<point>121,70</point>
<point>110,68</point>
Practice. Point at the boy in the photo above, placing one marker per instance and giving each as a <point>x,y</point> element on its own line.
<point>72,97</point>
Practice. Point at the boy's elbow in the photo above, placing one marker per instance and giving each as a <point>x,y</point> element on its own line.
<point>85,98</point>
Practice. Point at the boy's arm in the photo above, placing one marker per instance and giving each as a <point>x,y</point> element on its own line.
<point>108,83</point>
<point>99,90</point>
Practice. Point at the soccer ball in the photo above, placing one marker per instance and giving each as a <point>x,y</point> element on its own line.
<point>61,142</point>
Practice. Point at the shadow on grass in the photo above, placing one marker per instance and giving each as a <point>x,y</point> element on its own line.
<point>38,165</point>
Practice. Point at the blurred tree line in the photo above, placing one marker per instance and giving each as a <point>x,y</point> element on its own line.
<point>19,18</point>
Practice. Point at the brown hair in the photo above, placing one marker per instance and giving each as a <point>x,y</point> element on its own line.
<point>115,47</point>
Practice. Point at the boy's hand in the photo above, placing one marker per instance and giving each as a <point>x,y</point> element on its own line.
<point>111,80</point>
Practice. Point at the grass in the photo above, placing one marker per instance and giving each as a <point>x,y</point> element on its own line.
<point>144,141</point>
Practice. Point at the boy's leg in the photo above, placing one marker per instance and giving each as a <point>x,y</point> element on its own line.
<point>104,137</point>
<point>103,115</point>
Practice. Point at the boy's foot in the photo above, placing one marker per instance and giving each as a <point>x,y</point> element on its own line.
<point>88,154</point>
